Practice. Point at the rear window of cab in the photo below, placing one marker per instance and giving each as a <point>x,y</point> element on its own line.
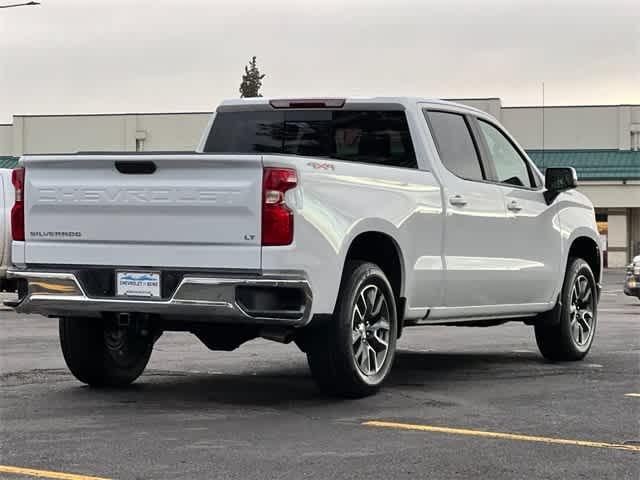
<point>373,137</point>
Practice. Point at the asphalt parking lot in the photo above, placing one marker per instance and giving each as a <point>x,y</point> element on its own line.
<point>461,403</point>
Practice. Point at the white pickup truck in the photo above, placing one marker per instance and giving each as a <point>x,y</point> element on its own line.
<point>334,223</point>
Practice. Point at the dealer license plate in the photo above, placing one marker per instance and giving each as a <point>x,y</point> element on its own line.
<point>138,284</point>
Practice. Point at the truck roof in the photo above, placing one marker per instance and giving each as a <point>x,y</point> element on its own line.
<point>405,101</point>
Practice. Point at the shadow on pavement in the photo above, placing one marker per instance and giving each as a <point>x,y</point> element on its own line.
<point>281,389</point>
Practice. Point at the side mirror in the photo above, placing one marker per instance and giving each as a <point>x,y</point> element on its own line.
<point>557,180</point>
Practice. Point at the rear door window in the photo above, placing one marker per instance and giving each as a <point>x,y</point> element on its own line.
<point>377,137</point>
<point>455,145</point>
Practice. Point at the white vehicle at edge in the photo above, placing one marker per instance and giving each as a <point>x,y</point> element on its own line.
<point>632,280</point>
<point>6,202</point>
<point>329,222</point>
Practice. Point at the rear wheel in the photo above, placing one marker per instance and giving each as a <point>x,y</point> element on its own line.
<point>102,353</point>
<point>571,337</point>
<point>352,355</point>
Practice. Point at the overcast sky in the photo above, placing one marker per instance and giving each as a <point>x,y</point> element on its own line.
<point>90,56</point>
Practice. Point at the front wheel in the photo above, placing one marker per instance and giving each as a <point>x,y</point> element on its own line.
<point>571,337</point>
<point>103,354</point>
<point>352,355</point>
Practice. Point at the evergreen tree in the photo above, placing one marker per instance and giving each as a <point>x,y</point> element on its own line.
<point>251,80</point>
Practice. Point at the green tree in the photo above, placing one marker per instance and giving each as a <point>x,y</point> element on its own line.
<point>251,80</point>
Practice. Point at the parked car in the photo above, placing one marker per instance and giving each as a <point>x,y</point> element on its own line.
<point>632,280</point>
<point>333,223</point>
<point>6,203</point>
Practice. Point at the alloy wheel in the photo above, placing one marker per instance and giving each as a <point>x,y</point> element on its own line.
<point>370,330</point>
<point>581,311</point>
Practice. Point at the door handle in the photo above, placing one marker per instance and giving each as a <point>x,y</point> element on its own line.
<point>514,206</point>
<point>457,201</point>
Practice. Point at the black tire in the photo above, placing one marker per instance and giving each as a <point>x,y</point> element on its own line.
<point>95,357</point>
<point>332,351</point>
<point>557,339</point>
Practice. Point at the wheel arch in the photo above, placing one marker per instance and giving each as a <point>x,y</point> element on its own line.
<point>382,249</point>
<point>588,249</point>
<point>581,245</point>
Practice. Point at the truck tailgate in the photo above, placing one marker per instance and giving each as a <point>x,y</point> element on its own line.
<point>169,210</point>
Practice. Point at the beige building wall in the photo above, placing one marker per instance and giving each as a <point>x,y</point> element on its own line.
<point>617,247</point>
<point>612,194</point>
<point>66,134</point>
<point>169,132</point>
<point>127,132</point>
<point>589,127</point>
<point>6,139</point>
<point>565,127</point>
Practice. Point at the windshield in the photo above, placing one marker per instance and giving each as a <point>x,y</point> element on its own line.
<point>380,137</point>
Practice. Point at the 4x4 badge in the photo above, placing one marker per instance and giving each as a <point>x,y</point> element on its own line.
<point>321,166</point>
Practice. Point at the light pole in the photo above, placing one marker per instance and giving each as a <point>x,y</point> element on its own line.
<point>26,4</point>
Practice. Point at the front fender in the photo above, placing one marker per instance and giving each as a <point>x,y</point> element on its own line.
<point>577,220</point>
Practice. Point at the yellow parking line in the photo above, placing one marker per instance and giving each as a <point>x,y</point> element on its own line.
<point>32,472</point>
<point>632,395</point>
<point>502,436</point>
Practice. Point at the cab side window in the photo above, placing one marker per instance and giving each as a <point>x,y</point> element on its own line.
<point>455,145</point>
<point>510,167</point>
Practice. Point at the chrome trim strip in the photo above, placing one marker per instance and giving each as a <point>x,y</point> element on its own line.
<point>30,276</point>
<point>211,297</point>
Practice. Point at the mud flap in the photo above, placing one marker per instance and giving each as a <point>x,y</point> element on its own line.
<point>550,318</point>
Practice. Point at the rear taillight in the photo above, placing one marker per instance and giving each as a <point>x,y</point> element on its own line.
<point>277,218</point>
<point>17,212</point>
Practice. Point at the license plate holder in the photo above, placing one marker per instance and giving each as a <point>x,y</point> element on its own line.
<point>144,284</point>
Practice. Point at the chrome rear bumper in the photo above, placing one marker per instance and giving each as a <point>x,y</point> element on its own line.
<point>205,298</point>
